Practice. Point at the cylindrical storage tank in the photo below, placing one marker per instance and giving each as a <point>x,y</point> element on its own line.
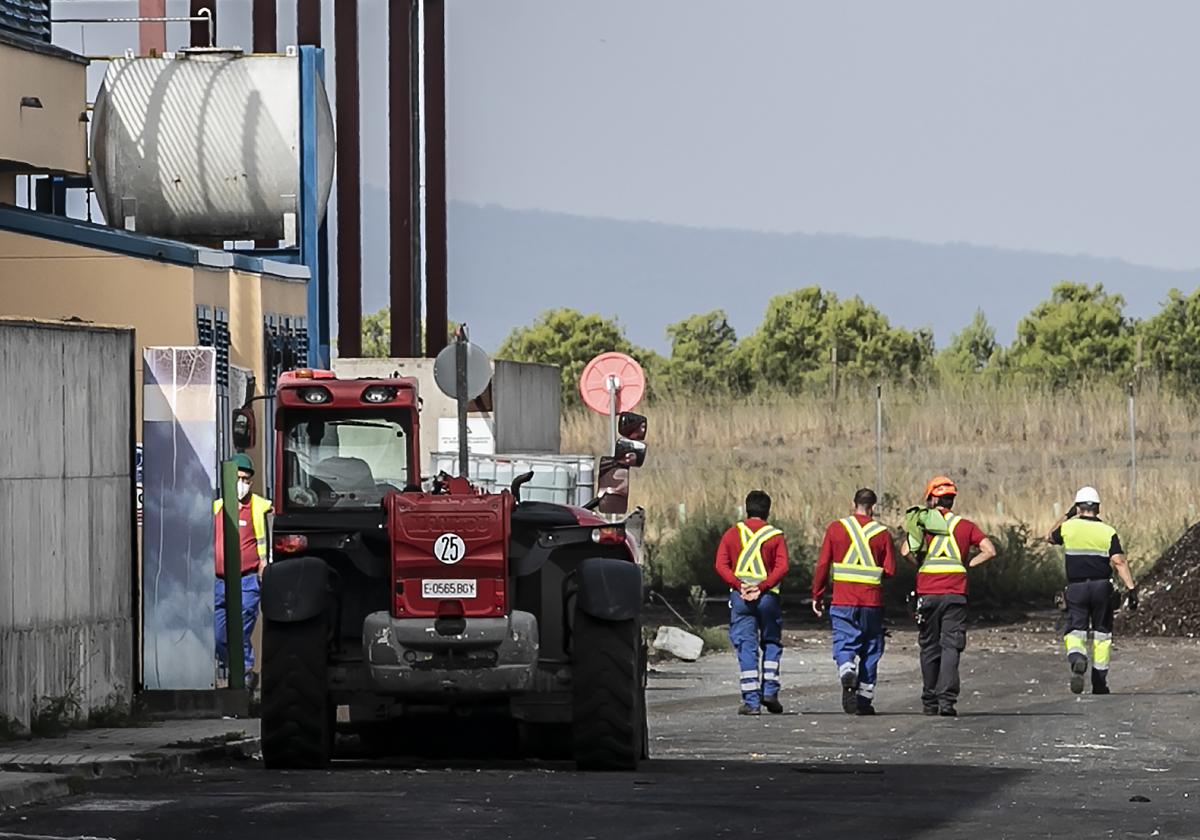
<point>205,145</point>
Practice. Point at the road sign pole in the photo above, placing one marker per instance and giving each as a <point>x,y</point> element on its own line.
<point>460,365</point>
<point>232,574</point>
<point>613,393</point>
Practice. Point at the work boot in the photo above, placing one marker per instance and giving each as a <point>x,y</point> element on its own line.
<point>929,711</point>
<point>1100,682</point>
<point>747,709</point>
<point>947,711</point>
<point>865,710</point>
<point>1078,669</point>
<point>850,693</point>
<point>771,704</point>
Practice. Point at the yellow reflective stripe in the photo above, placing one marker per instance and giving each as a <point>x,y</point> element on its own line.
<point>750,563</point>
<point>1101,650</point>
<point>852,573</point>
<point>1076,641</point>
<point>944,557</point>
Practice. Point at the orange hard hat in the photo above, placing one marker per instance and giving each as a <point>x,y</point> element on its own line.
<point>940,486</point>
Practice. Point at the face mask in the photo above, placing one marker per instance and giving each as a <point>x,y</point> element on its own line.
<point>243,488</point>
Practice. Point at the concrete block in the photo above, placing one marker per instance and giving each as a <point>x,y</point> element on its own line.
<point>679,643</point>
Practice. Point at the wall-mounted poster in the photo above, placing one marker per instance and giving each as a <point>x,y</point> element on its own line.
<point>179,442</point>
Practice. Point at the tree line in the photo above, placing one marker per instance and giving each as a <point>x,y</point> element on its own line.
<point>809,337</point>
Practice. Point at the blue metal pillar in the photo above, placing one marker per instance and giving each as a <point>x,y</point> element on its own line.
<point>314,237</point>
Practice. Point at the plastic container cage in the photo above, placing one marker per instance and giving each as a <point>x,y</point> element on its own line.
<point>562,479</point>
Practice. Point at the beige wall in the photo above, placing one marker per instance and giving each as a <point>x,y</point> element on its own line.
<point>50,138</point>
<point>8,188</point>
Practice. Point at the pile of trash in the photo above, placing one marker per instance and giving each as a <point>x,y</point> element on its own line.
<point>1169,597</point>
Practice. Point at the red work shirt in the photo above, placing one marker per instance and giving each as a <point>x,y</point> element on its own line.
<point>834,548</point>
<point>774,555</point>
<point>967,535</point>
<point>249,542</point>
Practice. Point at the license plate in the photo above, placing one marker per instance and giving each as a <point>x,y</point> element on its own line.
<point>443,588</point>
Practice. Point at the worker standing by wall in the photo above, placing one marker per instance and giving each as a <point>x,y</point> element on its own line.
<point>860,553</point>
<point>942,553</point>
<point>1093,551</point>
<point>752,559</point>
<point>252,533</point>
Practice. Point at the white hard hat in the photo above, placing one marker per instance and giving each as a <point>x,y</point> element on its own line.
<point>1087,496</point>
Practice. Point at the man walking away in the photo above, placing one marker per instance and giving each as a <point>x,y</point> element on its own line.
<point>1093,551</point>
<point>860,553</point>
<point>752,559</point>
<point>252,537</point>
<point>942,596</point>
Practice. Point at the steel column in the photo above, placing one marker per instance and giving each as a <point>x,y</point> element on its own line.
<point>308,22</point>
<point>403,239</point>
<point>152,35</point>
<point>199,29</point>
<point>313,241</point>
<point>435,177</point>
<point>349,191</point>
<point>264,24</point>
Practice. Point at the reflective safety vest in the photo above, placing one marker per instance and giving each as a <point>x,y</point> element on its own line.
<point>750,567</point>
<point>1087,544</point>
<point>859,566</point>
<point>944,557</point>
<point>258,517</point>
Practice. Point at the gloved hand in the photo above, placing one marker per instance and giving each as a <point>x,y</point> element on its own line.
<point>1131,599</point>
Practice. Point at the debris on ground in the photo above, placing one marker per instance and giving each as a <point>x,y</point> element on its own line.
<point>679,643</point>
<point>1169,597</point>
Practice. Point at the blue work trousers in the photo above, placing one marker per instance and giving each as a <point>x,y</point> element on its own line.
<point>756,626</point>
<point>858,646</point>
<point>250,597</point>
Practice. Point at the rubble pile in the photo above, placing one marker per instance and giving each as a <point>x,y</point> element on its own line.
<point>1170,595</point>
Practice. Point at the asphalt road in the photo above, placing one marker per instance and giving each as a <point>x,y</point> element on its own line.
<point>1025,759</point>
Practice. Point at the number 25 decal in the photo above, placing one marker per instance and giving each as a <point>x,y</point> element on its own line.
<point>449,548</point>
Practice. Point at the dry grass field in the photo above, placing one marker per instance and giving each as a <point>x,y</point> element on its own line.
<point>1014,455</point>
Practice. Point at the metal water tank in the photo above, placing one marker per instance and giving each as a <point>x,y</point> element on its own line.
<point>205,144</point>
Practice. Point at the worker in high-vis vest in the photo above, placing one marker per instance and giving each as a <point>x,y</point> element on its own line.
<point>752,559</point>
<point>1093,552</point>
<point>858,554</point>
<point>942,595</point>
<point>252,538</point>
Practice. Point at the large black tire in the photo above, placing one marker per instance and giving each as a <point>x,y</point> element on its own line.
<point>607,728</point>
<point>298,718</point>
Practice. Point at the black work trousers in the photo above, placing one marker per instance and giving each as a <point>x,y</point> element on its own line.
<point>942,638</point>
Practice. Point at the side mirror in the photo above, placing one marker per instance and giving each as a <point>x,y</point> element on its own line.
<point>632,426</point>
<point>630,453</point>
<point>612,487</point>
<point>243,429</point>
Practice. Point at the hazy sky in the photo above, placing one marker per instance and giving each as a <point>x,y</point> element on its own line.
<point>1063,126</point>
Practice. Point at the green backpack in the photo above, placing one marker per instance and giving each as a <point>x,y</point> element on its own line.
<point>920,521</point>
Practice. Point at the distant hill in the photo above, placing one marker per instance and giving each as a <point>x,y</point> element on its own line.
<point>506,266</point>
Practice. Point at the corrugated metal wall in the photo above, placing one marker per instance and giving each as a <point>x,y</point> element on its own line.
<point>66,497</point>
<point>528,403</point>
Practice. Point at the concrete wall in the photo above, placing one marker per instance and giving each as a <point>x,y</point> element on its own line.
<point>66,497</point>
<point>50,138</point>
<point>527,400</point>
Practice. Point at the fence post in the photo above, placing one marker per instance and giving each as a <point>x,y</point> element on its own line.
<point>1132,451</point>
<point>833,358</point>
<point>879,441</point>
